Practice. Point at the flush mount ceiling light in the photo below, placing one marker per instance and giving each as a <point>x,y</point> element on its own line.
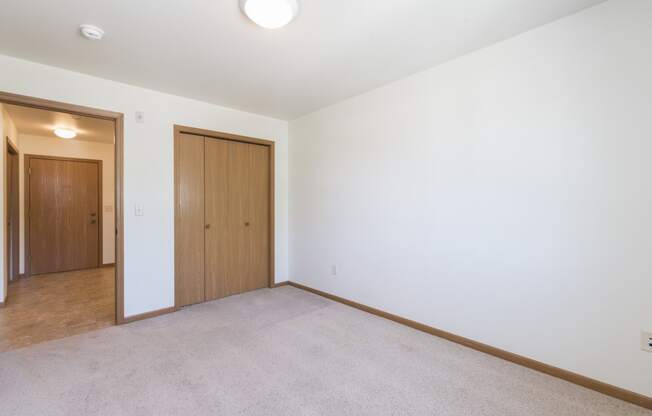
<point>65,133</point>
<point>91,32</point>
<point>270,14</point>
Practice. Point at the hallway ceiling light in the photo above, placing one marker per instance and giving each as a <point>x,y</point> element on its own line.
<point>91,32</point>
<point>65,133</point>
<point>270,14</point>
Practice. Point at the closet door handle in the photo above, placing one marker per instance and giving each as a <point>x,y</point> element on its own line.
<point>207,226</point>
<point>247,224</point>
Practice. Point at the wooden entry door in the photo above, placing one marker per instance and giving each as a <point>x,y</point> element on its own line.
<point>64,215</point>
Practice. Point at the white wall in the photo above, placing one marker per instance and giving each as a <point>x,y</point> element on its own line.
<point>8,127</point>
<point>505,196</point>
<point>148,166</point>
<point>8,130</point>
<point>49,146</point>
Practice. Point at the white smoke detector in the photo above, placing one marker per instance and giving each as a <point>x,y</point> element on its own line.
<point>91,32</point>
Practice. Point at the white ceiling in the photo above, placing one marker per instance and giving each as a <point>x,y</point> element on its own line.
<point>37,122</point>
<point>206,49</point>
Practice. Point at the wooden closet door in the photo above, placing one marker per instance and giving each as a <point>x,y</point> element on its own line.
<point>63,215</point>
<point>216,238</point>
<point>258,220</point>
<point>189,220</point>
<point>227,210</point>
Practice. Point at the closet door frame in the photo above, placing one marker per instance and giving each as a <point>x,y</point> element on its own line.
<point>178,131</point>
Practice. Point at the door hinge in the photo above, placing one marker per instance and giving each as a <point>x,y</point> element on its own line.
<point>29,171</point>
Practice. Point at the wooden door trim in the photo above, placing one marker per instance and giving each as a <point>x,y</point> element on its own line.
<point>10,146</point>
<point>7,179</point>
<point>178,130</point>
<point>100,218</point>
<point>221,135</point>
<point>118,119</point>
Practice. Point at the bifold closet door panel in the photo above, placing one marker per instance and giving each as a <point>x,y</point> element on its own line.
<point>227,211</point>
<point>258,221</point>
<point>216,235</point>
<point>189,220</point>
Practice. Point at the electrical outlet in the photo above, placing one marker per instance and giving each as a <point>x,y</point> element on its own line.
<point>140,117</point>
<point>646,341</point>
<point>139,211</point>
<point>333,270</point>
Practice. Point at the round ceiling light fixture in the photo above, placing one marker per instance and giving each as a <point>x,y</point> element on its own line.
<point>65,133</point>
<point>270,14</point>
<point>91,32</point>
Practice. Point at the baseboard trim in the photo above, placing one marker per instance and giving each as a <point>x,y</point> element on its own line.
<point>108,265</point>
<point>147,315</point>
<point>286,283</point>
<point>2,304</point>
<point>589,383</point>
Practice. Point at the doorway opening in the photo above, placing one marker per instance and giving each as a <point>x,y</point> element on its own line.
<point>63,234</point>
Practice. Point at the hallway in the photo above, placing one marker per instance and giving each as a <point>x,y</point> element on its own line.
<point>57,305</point>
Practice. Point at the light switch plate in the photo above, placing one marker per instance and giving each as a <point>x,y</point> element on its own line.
<point>140,117</point>
<point>646,341</point>
<point>139,210</point>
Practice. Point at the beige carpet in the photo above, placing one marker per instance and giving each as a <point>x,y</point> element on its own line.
<point>278,352</point>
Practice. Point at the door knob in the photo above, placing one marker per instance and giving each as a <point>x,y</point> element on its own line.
<point>207,226</point>
<point>93,221</point>
<point>246,224</point>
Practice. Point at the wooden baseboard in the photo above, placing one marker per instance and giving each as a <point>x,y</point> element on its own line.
<point>147,315</point>
<point>2,304</point>
<point>18,277</point>
<point>604,388</point>
<point>108,265</point>
<point>163,311</point>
